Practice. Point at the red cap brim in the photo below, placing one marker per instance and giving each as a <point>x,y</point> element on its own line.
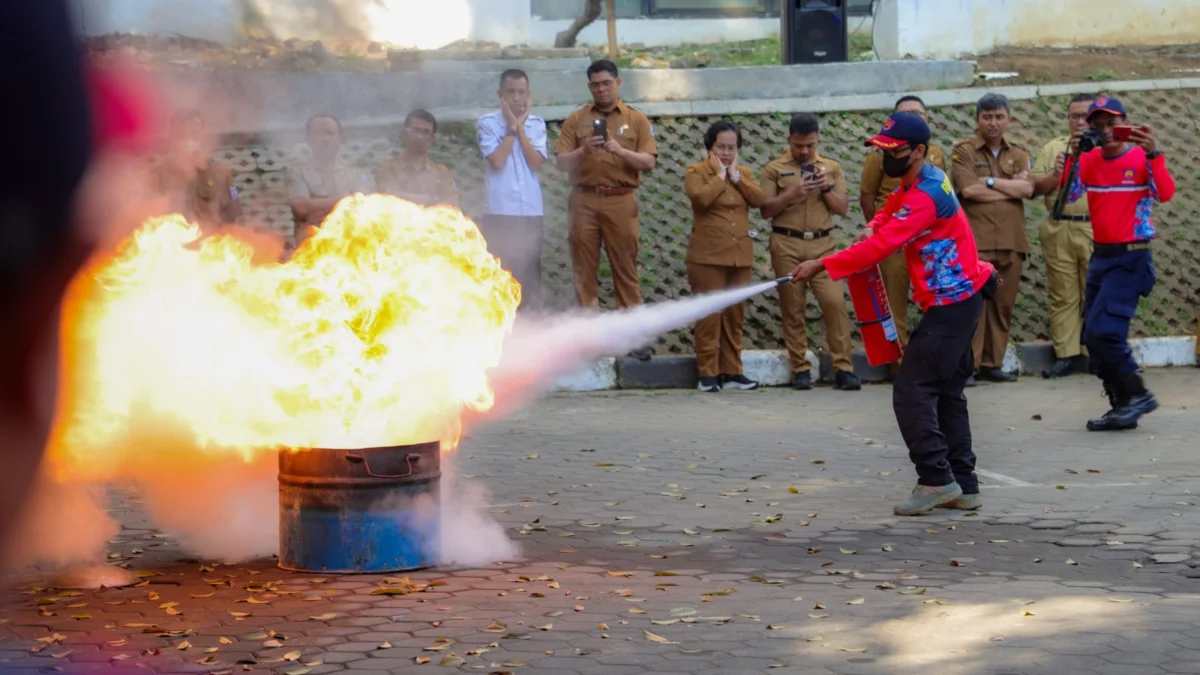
<point>885,142</point>
<point>1110,111</point>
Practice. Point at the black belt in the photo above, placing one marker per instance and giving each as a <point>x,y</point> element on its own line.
<point>802,234</point>
<point>1075,219</point>
<point>1113,250</point>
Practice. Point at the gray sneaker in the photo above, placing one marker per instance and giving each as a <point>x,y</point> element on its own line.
<point>964,503</point>
<point>926,498</point>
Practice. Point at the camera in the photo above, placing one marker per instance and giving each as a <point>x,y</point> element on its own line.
<point>1090,140</point>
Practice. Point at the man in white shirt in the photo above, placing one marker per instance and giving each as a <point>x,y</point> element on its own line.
<point>513,142</point>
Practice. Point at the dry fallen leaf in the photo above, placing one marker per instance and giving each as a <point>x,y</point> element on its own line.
<point>818,616</point>
<point>1120,599</point>
<point>1071,562</point>
<point>439,645</point>
<point>847,551</point>
<point>657,638</point>
<point>452,660</point>
<point>853,649</point>
<point>292,656</point>
<point>857,601</point>
<point>322,617</point>
<point>421,660</point>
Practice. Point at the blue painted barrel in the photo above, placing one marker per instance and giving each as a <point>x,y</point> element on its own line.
<point>369,510</point>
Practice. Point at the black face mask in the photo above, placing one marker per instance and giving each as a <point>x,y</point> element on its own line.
<point>895,167</point>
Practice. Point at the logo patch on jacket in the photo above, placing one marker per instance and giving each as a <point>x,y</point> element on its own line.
<point>903,212</point>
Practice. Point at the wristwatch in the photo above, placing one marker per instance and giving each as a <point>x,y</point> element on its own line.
<point>826,190</point>
<point>991,182</point>
<point>511,132</point>
<point>1153,155</point>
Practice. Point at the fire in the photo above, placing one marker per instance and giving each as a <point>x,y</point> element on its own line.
<point>378,331</point>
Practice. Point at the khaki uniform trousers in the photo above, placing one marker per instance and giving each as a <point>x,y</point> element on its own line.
<point>1067,246</point>
<point>991,337</point>
<point>718,336</point>
<point>786,254</point>
<point>610,221</point>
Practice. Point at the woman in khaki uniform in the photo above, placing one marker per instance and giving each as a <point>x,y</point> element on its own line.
<point>721,252</point>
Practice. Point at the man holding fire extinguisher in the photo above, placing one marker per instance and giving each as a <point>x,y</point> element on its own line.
<point>924,218</point>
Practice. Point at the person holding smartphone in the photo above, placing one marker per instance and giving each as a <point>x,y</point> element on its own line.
<point>605,147</point>
<point>1122,179</point>
<point>803,192</point>
<point>720,252</point>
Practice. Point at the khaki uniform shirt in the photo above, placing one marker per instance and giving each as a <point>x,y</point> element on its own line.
<point>1044,164</point>
<point>721,216</point>
<point>311,182</point>
<point>809,214</point>
<point>998,226</point>
<point>425,183</point>
<point>207,197</point>
<point>875,183</point>
<point>627,124</point>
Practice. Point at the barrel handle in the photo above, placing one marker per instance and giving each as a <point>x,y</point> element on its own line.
<point>408,459</point>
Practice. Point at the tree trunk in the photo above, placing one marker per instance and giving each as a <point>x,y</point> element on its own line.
<point>591,12</point>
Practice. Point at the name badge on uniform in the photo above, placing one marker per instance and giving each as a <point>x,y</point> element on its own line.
<point>621,131</point>
<point>787,173</point>
<point>980,165</point>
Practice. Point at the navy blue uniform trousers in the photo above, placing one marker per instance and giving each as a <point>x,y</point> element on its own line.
<point>928,398</point>
<point>1114,286</point>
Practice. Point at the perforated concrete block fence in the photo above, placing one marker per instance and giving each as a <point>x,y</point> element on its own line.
<point>666,213</point>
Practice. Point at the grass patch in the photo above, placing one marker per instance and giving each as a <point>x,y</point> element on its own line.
<point>766,52</point>
<point>1101,75</point>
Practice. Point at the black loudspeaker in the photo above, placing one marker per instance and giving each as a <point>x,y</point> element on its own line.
<point>814,31</point>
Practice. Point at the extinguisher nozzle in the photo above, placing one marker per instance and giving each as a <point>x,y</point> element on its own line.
<point>783,280</point>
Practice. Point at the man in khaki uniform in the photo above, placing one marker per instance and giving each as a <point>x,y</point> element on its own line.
<point>1066,242</point>
<point>199,188</point>
<point>606,169</point>
<point>803,191</point>
<point>411,174</point>
<point>315,188</point>
<point>873,192</point>
<point>991,177</point>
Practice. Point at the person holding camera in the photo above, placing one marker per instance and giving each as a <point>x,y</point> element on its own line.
<point>1123,173</point>
<point>605,147</point>
<point>950,282</point>
<point>720,252</point>
<point>1066,238</point>
<point>803,192</point>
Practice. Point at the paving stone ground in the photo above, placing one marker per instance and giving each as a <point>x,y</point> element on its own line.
<point>679,532</point>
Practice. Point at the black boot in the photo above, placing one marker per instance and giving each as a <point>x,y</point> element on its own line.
<point>1140,398</point>
<point>1120,417</point>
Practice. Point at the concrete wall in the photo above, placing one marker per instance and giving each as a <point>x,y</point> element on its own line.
<point>662,32</point>
<point>950,28</point>
<point>279,101</point>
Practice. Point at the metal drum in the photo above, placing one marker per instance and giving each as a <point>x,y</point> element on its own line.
<point>369,510</point>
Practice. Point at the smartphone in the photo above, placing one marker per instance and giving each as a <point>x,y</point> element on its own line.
<point>808,170</point>
<point>600,128</point>
<point>1122,132</point>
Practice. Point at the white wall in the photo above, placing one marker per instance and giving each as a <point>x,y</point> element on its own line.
<point>507,22</point>
<point>934,29</point>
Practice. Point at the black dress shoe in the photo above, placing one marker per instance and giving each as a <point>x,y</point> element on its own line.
<point>802,381</point>
<point>845,380</point>
<point>642,353</point>
<point>996,375</point>
<point>1059,368</point>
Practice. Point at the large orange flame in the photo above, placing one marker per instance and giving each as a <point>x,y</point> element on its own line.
<point>378,331</point>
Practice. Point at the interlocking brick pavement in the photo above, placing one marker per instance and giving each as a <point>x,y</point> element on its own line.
<point>678,532</point>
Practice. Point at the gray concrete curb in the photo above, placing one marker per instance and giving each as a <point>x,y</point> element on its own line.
<point>772,368</point>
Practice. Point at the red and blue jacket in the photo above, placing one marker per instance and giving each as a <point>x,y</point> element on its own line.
<point>1121,192</point>
<point>925,219</point>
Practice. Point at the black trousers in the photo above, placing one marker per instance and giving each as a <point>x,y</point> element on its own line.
<point>928,398</point>
<point>517,242</point>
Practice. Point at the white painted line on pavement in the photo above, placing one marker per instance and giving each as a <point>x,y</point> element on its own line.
<point>1015,482</point>
<point>1071,486</point>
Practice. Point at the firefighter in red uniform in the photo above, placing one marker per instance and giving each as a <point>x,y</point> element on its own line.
<point>1123,180</point>
<point>924,218</point>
